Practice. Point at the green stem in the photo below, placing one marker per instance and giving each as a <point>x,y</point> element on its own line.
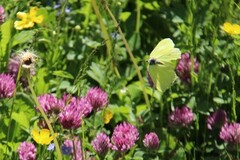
<point>105,34</point>
<point>138,16</point>
<point>129,52</point>
<point>74,145</point>
<point>83,141</point>
<point>45,118</point>
<point>233,112</point>
<point>11,111</point>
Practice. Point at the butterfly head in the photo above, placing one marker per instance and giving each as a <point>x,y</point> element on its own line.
<point>153,61</point>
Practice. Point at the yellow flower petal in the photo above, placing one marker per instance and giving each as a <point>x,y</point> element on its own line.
<point>21,15</point>
<point>33,11</point>
<point>36,136</point>
<point>28,19</point>
<point>38,19</point>
<point>236,29</point>
<point>18,25</point>
<point>231,28</point>
<point>108,115</point>
<point>42,137</point>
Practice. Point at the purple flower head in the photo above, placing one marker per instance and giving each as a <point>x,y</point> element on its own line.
<point>230,133</point>
<point>151,141</point>
<point>7,86</point>
<point>85,107</point>
<point>70,117</point>
<point>68,144</point>
<point>124,137</point>
<point>27,151</point>
<point>217,119</point>
<point>97,98</point>
<point>184,67</point>
<point>2,15</point>
<point>181,117</point>
<point>50,103</point>
<point>101,144</point>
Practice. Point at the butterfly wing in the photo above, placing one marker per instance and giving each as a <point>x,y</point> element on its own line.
<point>162,75</point>
<point>165,51</point>
<point>162,72</point>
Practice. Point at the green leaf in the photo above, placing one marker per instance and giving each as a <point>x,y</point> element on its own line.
<point>23,37</point>
<point>21,118</point>
<point>141,109</point>
<point>134,91</point>
<point>40,82</point>
<point>6,36</point>
<point>63,74</point>
<point>97,73</point>
<point>124,16</point>
<point>180,154</point>
<point>238,99</point>
<point>152,5</point>
<point>218,100</point>
<point>138,155</point>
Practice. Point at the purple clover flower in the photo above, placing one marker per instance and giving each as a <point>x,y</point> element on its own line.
<point>50,103</point>
<point>68,144</point>
<point>101,144</point>
<point>72,114</point>
<point>97,98</point>
<point>124,137</point>
<point>85,106</point>
<point>217,119</point>
<point>184,67</point>
<point>70,117</point>
<point>181,117</point>
<point>230,132</point>
<point>151,141</point>
<point>7,86</point>
<point>2,15</point>
<point>27,151</point>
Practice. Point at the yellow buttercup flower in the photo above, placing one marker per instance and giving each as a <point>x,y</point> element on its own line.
<point>43,136</point>
<point>108,115</point>
<point>28,19</point>
<point>231,28</point>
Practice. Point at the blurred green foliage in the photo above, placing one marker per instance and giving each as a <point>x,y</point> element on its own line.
<point>79,47</point>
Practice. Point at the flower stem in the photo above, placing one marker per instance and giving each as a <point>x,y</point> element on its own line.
<point>128,50</point>
<point>11,111</point>
<point>45,118</point>
<point>83,141</point>
<point>106,36</point>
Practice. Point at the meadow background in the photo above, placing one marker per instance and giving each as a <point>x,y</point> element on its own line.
<point>79,46</point>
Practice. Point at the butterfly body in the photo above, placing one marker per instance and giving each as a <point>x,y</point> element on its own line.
<point>153,62</point>
<point>162,63</point>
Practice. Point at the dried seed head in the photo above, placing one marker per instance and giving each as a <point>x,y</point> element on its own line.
<point>27,58</point>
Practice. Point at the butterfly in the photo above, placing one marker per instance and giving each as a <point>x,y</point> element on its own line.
<point>162,63</point>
